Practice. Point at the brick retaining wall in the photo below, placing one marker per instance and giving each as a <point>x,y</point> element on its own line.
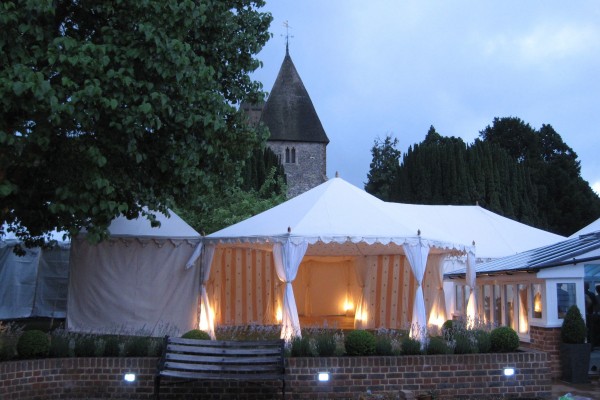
<point>451,376</point>
<point>548,341</point>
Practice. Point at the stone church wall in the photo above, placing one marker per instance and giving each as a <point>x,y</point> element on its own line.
<point>307,170</point>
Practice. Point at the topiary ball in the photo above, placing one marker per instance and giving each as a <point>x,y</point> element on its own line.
<point>360,343</point>
<point>196,334</point>
<point>573,327</point>
<point>504,339</point>
<point>33,343</point>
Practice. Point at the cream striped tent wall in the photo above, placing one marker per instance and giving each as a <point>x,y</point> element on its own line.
<point>244,289</point>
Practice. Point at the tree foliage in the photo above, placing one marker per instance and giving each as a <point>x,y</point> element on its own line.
<point>262,186</point>
<point>111,107</point>
<point>386,159</point>
<point>514,170</point>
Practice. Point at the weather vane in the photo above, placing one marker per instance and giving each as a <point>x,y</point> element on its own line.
<point>287,35</point>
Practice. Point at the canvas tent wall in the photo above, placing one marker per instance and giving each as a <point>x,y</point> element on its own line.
<point>136,281</point>
<point>330,223</point>
<point>34,284</point>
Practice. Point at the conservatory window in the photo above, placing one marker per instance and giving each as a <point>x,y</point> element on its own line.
<point>523,311</point>
<point>497,304</point>
<point>565,297</point>
<point>536,306</point>
<point>509,307</point>
<point>487,303</point>
<point>460,298</point>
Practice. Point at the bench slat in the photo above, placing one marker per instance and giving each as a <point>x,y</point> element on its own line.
<point>223,351</point>
<point>226,343</point>
<point>224,360</point>
<point>239,377</point>
<point>220,368</point>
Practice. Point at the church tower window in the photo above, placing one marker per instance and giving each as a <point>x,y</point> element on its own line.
<point>293,155</point>
<point>287,155</point>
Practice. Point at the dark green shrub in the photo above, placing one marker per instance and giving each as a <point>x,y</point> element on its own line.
<point>410,347</point>
<point>59,345</point>
<point>136,346</point>
<point>33,343</point>
<point>573,328</point>
<point>8,347</point>
<point>383,345</point>
<point>155,348</point>
<point>504,339</point>
<point>112,346</point>
<point>360,343</point>
<point>301,347</point>
<point>196,334</point>
<point>437,345</point>
<point>325,345</point>
<point>484,341</point>
<point>85,346</point>
<point>463,344</point>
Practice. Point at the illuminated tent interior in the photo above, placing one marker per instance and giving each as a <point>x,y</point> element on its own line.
<point>334,251</point>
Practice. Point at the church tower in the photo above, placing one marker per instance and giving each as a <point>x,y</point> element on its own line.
<point>296,133</point>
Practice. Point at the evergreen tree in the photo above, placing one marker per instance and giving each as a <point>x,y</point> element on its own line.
<point>512,169</point>
<point>384,168</point>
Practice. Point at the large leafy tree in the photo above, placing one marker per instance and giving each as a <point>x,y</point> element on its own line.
<point>121,107</point>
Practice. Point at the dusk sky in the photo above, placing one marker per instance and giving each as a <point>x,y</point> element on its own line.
<point>391,67</point>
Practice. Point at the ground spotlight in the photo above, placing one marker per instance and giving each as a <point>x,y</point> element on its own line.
<point>508,371</point>
<point>323,376</point>
<point>129,377</point>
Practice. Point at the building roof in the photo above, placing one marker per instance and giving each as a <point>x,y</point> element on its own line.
<point>289,112</point>
<point>571,251</point>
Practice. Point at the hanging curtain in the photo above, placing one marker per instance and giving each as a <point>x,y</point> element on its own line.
<point>472,302</point>
<point>206,316</point>
<point>362,309</point>
<point>417,258</point>
<point>437,315</point>
<point>287,258</point>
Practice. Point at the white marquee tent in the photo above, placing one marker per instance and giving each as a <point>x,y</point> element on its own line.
<point>334,223</point>
<point>136,281</point>
<point>35,284</point>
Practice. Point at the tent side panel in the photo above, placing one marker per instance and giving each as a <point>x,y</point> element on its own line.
<point>390,290</point>
<point>17,282</point>
<point>132,286</point>
<point>52,283</point>
<point>243,287</point>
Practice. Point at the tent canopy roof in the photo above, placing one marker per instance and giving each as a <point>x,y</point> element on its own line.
<point>335,218</point>
<point>171,227</point>
<point>494,235</point>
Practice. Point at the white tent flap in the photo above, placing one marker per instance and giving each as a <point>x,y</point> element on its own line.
<point>287,258</point>
<point>417,258</point>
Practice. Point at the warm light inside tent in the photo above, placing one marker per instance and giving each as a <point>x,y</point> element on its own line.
<point>348,306</point>
<point>279,314</point>
<point>204,325</point>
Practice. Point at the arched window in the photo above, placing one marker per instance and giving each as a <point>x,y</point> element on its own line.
<point>293,155</point>
<point>287,155</point>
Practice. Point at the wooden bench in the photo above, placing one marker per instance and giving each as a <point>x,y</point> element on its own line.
<point>192,359</point>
